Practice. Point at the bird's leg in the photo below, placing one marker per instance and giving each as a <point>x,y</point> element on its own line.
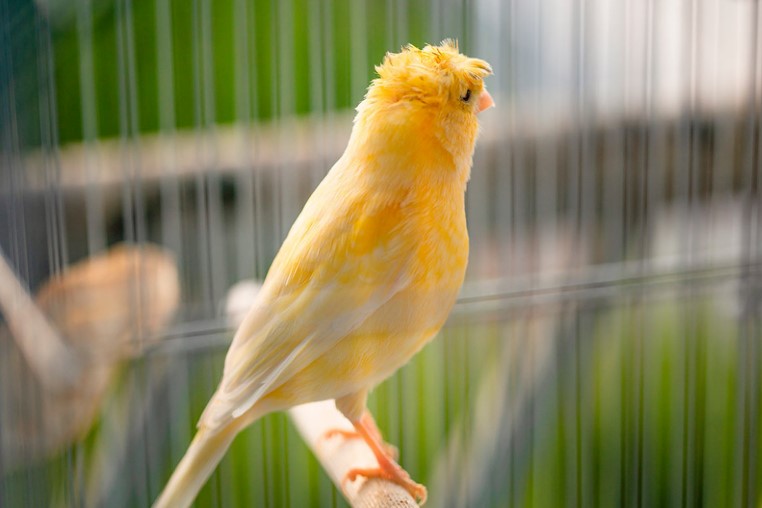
<point>370,423</point>
<point>387,467</point>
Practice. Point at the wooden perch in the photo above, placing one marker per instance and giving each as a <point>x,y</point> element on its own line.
<point>336,454</point>
<point>340,454</point>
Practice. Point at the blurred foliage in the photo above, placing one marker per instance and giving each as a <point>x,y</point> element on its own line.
<point>230,60</point>
<point>657,416</point>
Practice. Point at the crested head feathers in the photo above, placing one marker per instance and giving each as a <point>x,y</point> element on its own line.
<point>430,74</point>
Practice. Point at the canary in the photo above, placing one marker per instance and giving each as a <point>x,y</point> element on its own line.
<point>100,309</point>
<point>369,270</point>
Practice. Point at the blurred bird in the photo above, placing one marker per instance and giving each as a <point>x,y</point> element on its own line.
<point>369,271</point>
<point>96,311</point>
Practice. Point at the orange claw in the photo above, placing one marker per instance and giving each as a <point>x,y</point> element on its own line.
<point>368,420</point>
<point>387,467</point>
<point>398,476</point>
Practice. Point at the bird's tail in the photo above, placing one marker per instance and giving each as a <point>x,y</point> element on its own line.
<point>203,455</point>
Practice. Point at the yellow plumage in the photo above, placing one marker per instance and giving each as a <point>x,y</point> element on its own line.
<point>371,267</point>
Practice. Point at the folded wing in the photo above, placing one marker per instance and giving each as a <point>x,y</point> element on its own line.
<point>335,269</point>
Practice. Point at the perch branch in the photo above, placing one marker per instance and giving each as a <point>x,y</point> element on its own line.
<point>338,455</point>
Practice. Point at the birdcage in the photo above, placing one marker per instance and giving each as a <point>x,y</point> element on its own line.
<point>605,348</point>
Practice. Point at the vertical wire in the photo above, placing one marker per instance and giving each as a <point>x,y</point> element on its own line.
<point>446,351</point>
<point>133,202</point>
<point>96,239</point>
<point>244,87</point>
<point>614,183</point>
<point>565,209</point>
<point>467,338</point>
<point>248,182</point>
<point>512,380</point>
<point>547,192</point>
<point>681,182</point>
<point>179,403</point>
<point>289,174</point>
<point>55,219</point>
<point>215,247</point>
<point>206,306</point>
<point>747,362</point>
<point>637,103</point>
<point>133,199</point>
<point>391,33</point>
<point>435,20</point>
<point>169,184</point>
<point>593,217</point>
<point>134,126</point>
<point>10,157</point>
<point>697,205</point>
<point>11,154</point>
<point>317,70</point>
<point>710,95</point>
<point>721,191</point>
<point>138,294</point>
<point>128,217</point>
<point>638,210</point>
<point>625,378</point>
<point>645,331</point>
<point>259,231</point>
<point>276,102</point>
<point>401,21</point>
<point>275,90</point>
<point>575,195</point>
<point>358,49</point>
<point>93,197</point>
<point>754,251</point>
<point>329,52</point>
<point>588,228</point>
<point>686,171</point>
<point>465,15</point>
<point>318,99</point>
<point>504,190</point>
<point>55,223</point>
<point>289,198</point>
<point>318,91</point>
<point>13,177</point>
<point>599,17</point>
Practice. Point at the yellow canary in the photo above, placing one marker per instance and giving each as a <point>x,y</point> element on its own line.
<point>369,271</point>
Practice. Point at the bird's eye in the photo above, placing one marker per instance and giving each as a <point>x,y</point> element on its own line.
<point>466,97</point>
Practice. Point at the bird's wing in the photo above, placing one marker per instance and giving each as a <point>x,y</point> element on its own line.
<point>331,274</point>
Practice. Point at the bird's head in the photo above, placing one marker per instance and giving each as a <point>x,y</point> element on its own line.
<point>435,92</point>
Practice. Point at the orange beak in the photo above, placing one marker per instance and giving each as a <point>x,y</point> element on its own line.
<point>485,101</point>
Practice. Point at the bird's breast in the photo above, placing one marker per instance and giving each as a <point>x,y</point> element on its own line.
<point>441,245</point>
<point>433,246</point>
<point>439,252</point>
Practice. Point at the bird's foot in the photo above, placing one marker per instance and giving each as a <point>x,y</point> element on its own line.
<point>393,473</point>
<point>367,419</point>
<point>385,455</point>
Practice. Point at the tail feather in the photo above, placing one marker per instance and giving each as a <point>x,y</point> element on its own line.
<point>203,455</point>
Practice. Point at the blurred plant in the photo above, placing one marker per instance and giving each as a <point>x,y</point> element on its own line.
<point>647,410</point>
